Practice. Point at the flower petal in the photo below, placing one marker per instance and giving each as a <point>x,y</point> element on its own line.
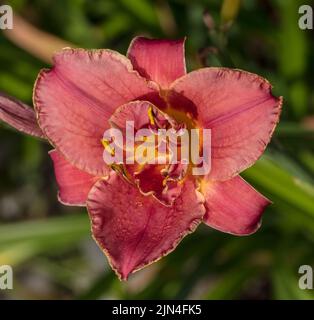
<point>233,206</point>
<point>134,230</point>
<point>136,111</point>
<point>162,61</point>
<point>19,116</point>
<point>77,96</point>
<point>240,110</point>
<point>74,184</point>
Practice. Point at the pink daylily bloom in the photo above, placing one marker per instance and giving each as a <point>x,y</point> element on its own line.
<point>140,213</point>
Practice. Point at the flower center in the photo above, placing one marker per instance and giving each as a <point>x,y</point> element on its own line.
<point>151,148</point>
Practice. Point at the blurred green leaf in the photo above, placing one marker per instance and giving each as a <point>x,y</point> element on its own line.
<point>280,183</point>
<point>143,10</point>
<point>231,283</point>
<point>53,229</point>
<point>102,284</point>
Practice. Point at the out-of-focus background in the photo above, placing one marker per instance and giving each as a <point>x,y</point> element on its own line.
<point>50,245</point>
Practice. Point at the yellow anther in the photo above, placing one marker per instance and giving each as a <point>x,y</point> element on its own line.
<point>120,168</point>
<point>151,116</point>
<point>108,148</point>
<point>165,181</point>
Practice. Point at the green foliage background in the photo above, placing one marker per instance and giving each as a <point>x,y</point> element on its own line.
<point>50,246</point>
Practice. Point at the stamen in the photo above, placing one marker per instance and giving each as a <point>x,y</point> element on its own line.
<point>108,148</point>
<point>151,116</point>
<point>165,181</point>
<point>120,168</point>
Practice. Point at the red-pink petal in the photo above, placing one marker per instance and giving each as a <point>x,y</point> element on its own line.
<point>134,230</point>
<point>19,116</point>
<point>74,184</point>
<point>238,107</point>
<point>136,111</point>
<point>75,99</point>
<point>233,206</point>
<point>162,61</point>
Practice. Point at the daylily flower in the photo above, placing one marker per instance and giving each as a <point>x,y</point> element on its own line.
<point>140,214</point>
